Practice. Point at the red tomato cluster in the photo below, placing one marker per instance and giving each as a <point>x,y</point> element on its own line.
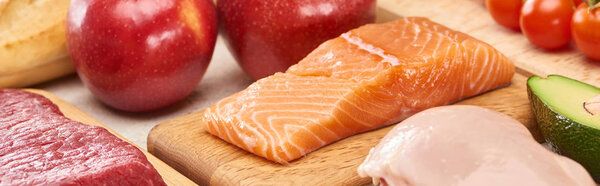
<point>551,24</point>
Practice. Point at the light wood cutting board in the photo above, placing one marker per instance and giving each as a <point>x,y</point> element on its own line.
<point>169,175</point>
<point>183,144</point>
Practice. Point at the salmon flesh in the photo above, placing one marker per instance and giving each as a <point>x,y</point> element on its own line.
<point>365,79</point>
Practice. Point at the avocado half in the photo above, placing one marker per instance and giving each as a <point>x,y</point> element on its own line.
<point>558,105</point>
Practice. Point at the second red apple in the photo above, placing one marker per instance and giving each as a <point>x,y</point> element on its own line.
<point>269,36</point>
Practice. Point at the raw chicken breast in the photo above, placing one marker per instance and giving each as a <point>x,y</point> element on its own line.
<point>467,145</point>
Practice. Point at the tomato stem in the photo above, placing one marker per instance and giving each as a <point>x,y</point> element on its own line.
<point>593,4</point>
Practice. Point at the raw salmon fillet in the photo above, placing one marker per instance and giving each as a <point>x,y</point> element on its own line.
<point>367,78</point>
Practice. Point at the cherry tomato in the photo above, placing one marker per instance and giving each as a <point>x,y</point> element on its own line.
<point>586,30</point>
<point>547,23</point>
<point>505,12</point>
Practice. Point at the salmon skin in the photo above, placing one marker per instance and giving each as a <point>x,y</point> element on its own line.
<point>365,79</point>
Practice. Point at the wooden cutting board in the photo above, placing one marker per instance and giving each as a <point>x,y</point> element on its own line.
<point>169,175</point>
<point>184,144</point>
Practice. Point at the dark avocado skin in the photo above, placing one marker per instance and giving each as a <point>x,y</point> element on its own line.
<point>569,138</point>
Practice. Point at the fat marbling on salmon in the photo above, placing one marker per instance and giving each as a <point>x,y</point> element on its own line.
<point>367,78</point>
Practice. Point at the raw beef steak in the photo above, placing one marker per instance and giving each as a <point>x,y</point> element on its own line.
<point>40,146</point>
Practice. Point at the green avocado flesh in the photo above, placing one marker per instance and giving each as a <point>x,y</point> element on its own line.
<point>557,103</point>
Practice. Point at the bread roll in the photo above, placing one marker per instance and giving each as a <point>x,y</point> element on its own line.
<point>32,41</point>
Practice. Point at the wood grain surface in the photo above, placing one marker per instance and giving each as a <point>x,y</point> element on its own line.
<point>185,145</point>
<point>169,175</point>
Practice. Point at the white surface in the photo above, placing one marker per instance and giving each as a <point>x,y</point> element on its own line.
<point>223,78</point>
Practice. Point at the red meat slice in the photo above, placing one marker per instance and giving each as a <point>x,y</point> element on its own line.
<point>40,146</point>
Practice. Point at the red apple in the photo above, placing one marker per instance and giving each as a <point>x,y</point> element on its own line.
<point>269,36</point>
<point>141,55</point>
